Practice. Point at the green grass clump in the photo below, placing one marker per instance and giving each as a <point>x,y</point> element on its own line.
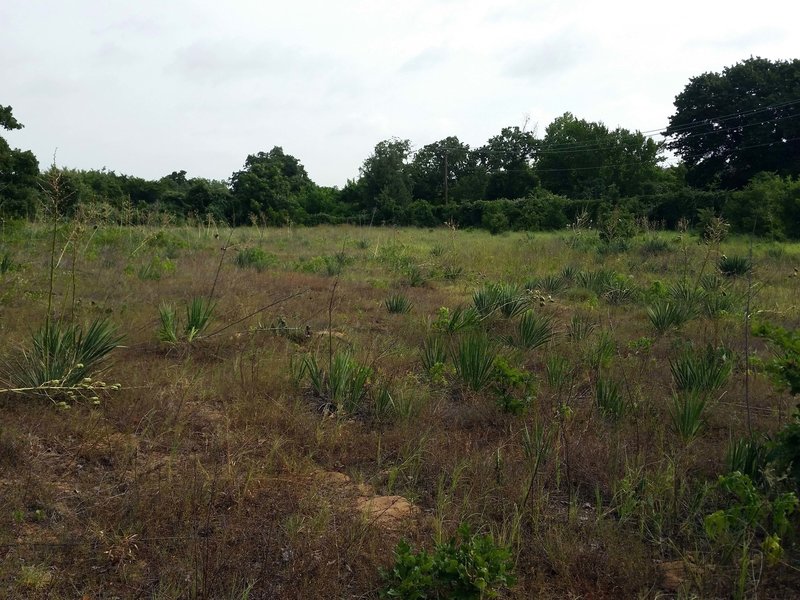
<point>254,258</point>
<point>700,371</point>
<point>610,400</point>
<point>734,265</point>
<point>533,330</point>
<point>398,304</point>
<point>665,316</point>
<point>474,360</point>
<point>64,354</point>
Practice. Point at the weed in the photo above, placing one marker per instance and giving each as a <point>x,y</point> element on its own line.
<point>474,359</point>
<point>452,272</point>
<point>701,371</point>
<point>254,258</point>
<point>665,316</point>
<point>533,330</point>
<point>199,311</point>
<point>580,328</point>
<point>434,353</point>
<point>610,401</point>
<point>734,265</point>
<point>344,388</point>
<point>398,304</point>
<point>469,567</point>
<point>687,416</point>
<point>459,319</point>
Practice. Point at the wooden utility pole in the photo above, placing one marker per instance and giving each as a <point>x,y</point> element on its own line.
<point>446,195</point>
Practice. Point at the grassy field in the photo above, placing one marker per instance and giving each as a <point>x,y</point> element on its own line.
<point>345,388</point>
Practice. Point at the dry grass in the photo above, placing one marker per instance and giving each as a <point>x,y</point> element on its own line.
<point>201,478</point>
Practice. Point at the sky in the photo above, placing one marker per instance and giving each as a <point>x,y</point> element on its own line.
<point>150,87</point>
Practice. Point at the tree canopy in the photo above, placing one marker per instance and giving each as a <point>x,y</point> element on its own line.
<point>18,172</point>
<point>731,125</point>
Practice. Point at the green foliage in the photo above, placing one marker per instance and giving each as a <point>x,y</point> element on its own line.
<point>749,513</point>
<point>580,328</point>
<point>168,324</point>
<point>686,414</point>
<point>156,269</point>
<point>610,400</point>
<point>729,126</point>
<point>64,355</point>
<point>345,387</point>
<point>199,311</point>
<point>398,304</point>
<point>665,316</point>
<point>785,367</point>
<point>506,298</point>
<point>459,319</point>
<point>701,371</point>
<point>512,386</point>
<point>734,266</point>
<point>474,358</point>
<point>465,567</point>
<point>254,258</point>
<point>434,353</point>
<point>653,246</point>
<point>533,330</point>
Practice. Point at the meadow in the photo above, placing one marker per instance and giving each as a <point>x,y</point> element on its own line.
<point>350,412</point>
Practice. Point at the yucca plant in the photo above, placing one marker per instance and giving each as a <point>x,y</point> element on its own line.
<point>610,401</point>
<point>596,281</point>
<point>64,355</point>
<point>474,361</point>
<point>513,300</point>
<point>686,295</point>
<point>665,316</point>
<point>701,371</point>
<point>348,382</point>
<point>533,330</point>
<point>552,284</point>
<point>398,304</point>
<point>168,324</point>
<point>434,352</point>
<point>734,266</point>
<point>452,272</point>
<point>686,414</point>
<point>459,319</point>
<point>199,311</point>
<point>748,456</point>
<point>580,328</point>
<point>486,300</point>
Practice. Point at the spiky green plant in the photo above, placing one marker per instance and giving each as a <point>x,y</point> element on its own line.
<point>533,330</point>
<point>64,354</point>
<point>434,352</point>
<point>348,382</point>
<point>734,266</point>
<point>199,312</point>
<point>457,320</point>
<point>168,324</point>
<point>552,284</point>
<point>701,371</point>
<point>580,328</point>
<point>486,300</point>
<point>610,400</point>
<point>686,415</point>
<point>398,304</point>
<point>254,258</point>
<point>512,300</point>
<point>474,361</point>
<point>665,316</point>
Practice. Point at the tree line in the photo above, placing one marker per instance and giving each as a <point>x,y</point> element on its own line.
<point>736,133</point>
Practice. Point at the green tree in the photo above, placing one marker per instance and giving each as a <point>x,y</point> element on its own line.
<point>465,178</point>
<point>19,172</point>
<point>384,188</point>
<point>729,126</point>
<point>272,184</point>
<point>508,160</point>
<point>583,159</point>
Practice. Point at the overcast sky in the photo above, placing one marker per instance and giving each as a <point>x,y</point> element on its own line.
<point>148,87</point>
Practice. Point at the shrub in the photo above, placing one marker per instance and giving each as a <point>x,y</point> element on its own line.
<point>533,330</point>
<point>734,266</point>
<point>64,355</point>
<point>701,371</point>
<point>609,400</point>
<point>667,315</point>
<point>474,359</point>
<point>467,567</point>
<point>434,353</point>
<point>254,258</point>
<point>686,414</point>
<point>398,304</point>
<point>459,319</point>
<point>345,387</point>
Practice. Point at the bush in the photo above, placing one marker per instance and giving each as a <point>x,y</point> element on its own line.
<point>474,360</point>
<point>254,258</point>
<point>467,567</point>
<point>701,371</point>
<point>734,266</point>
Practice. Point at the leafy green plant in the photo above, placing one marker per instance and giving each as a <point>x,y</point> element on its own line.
<point>398,304</point>
<point>467,567</point>
<point>168,324</point>
<point>434,353</point>
<point>734,265</point>
<point>63,358</point>
<point>512,386</point>
<point>785,366</point>
<point>550,284</point>
<point>345,387</point>
<point>199,311</point>
<point>666,316</point>
<point>701,371</point>
<point>580,328</point>
<point>254,258</point>
<point>533,330</point>
<point>474,359</point>
<point>486,300</point>
<point>609,399</point>
<point>459,319</point>
<point>686,415</point>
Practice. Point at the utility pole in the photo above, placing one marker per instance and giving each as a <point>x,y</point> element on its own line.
<point>446,195</point>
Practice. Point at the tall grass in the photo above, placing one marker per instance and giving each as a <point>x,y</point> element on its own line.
<point>700,371</point>
<point>474,359</point>
<point>533,330</point>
